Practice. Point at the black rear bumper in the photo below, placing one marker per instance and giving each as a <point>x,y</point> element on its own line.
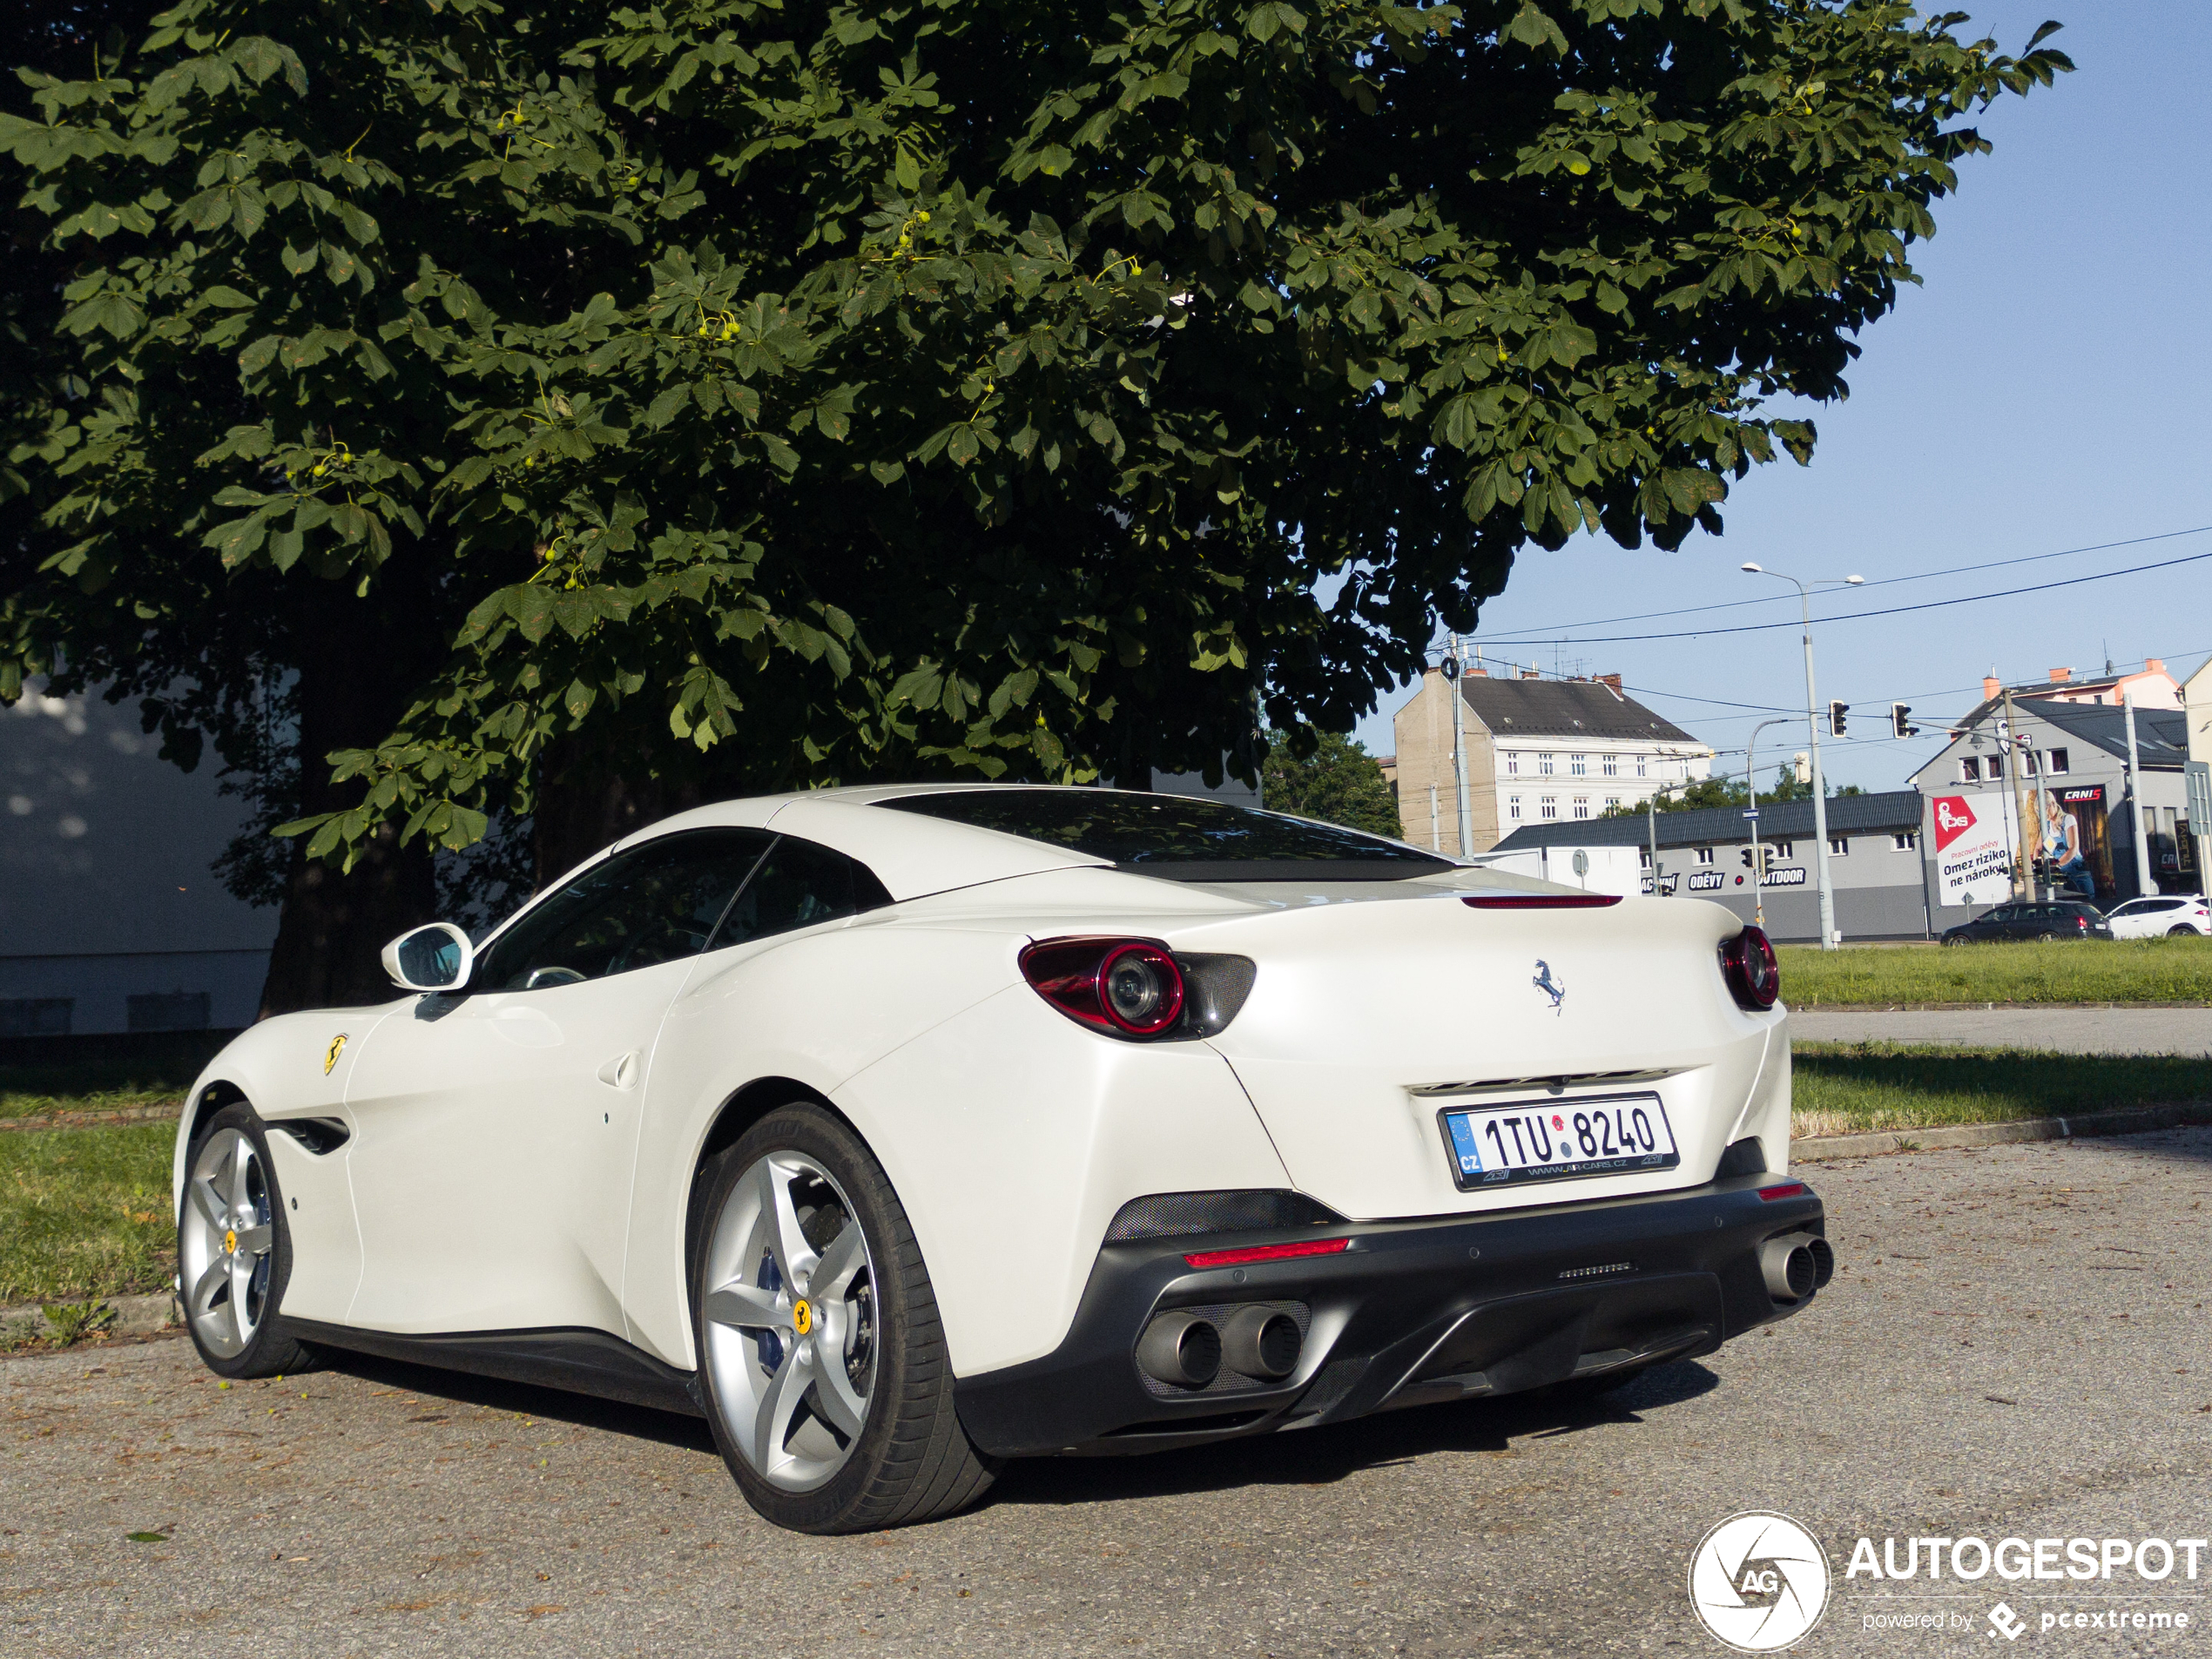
<point>1410,1313</point>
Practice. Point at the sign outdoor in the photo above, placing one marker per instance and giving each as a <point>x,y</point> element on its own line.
<point>1974,849</point>
<point>2199,773</point>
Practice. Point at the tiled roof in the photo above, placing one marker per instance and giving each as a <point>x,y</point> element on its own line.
<point>1565,708</point>
<point>1884,814</point>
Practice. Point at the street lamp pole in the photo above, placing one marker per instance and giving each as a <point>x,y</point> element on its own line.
<point>1819,789</point>
<point>1459,749</point>
<point>1751,789</point>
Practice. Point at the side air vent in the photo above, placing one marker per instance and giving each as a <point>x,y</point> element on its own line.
<point>318,1134</point>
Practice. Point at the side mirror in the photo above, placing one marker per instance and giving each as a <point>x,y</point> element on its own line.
<point>435,958</point>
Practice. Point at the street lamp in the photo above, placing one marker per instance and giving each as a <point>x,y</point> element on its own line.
<point>1751,789</point>
<point>1812,717</point>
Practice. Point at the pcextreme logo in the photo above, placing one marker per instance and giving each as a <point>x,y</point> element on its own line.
<point>1759,1582</point>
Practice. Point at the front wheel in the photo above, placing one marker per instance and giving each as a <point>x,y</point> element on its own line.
<point>828,1387</point>
<point>234,1250</point>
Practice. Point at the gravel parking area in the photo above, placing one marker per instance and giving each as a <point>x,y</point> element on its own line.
<point>2016,1345</point>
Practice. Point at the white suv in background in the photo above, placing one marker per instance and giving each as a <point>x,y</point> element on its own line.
<point>2173,913</point>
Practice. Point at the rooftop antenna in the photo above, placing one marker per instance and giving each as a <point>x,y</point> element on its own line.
<point>2107,644</point>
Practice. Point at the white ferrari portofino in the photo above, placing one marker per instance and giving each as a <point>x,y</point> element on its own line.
<point>899,1130</point>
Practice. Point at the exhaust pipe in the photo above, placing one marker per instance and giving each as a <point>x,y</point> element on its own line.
<point>1823,1262</point>
<point>1792,1271</point>
<point>1181,1349</point>
<point>1261,1342</point>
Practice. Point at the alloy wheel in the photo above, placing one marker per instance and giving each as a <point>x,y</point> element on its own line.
<point>225,1242</point>
<point>791,1321</point>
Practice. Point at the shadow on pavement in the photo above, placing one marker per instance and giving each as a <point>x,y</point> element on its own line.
<point>547,1405</point>
<point>1323,1456</point>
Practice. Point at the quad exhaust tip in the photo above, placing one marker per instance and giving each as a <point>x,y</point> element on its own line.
<point>1181,1349</point>
<point>1261,1342</point>
<point>1796,1264</point>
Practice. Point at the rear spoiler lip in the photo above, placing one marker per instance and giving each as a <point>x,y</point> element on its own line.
<point>1539,900</point>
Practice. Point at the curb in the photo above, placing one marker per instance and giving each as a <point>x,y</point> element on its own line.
<point>1813,1148</point>
<point>135,1316</point>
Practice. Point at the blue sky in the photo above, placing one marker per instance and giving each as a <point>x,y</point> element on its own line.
<point>2045,389</point>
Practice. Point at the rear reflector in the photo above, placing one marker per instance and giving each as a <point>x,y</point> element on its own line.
<point>1539,901</point>
<point>1268,1252</point>
<point>1787,1190</point>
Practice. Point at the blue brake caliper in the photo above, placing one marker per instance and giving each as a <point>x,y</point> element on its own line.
<point>771,1342</point>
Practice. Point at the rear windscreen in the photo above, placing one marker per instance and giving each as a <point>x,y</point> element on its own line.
<point>1179,836</point>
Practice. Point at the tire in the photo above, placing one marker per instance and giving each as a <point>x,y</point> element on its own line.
<point>1953,943</point>
<point>231,1278</point>
<point>833,1407</point>
<point>2047,939</point>
<point>2182,932</point>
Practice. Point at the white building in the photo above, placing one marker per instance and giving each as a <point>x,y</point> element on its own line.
<point>1538,752</point>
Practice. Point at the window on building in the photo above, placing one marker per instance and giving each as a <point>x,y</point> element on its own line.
<point>1993,768</point>
<point>1579,764</point>
<point>1582,805</point>
<point>1641,763</point>
<point>1782,849</point>
<point>35,1016</point>
<point>1513,808</point>
<point>1610,765</point>
<point>1513,764</point>
<point>1904,841</point>
<point>1644,858</point>
<point>1969,770</point>
<point>1705,855</point>
<point>1611,802</point>
<point>1544,765</point>
<point>2054,760</point>
<point>1548,806</point>
<point>2027,762</point>
<point>1839,846</point>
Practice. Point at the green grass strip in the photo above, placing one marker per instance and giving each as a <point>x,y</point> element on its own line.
<point>1841,1088</point>
<point>2095,970</point>
<point>85,1212</point>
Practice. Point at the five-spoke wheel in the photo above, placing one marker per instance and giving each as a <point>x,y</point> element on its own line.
<point>828,1380</point>
<point>233,1254</point>
<point>790,1321</point>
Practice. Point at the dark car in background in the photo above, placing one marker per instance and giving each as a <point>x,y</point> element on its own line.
<point>2059,919</point>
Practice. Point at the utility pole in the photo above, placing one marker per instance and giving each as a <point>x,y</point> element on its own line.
<point>1751,788</point>
<point>1819,789</point>
<point>2014,750</point>
<point>1435,840</point>
<point>1459,752</point>
<point>2143,884</point>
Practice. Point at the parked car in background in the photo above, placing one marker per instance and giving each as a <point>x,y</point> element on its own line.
<point>2178,914</point>
<point>2064,919</point>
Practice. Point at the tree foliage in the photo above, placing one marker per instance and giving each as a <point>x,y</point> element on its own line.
<point>741,395</point>
<point>1339,782</point>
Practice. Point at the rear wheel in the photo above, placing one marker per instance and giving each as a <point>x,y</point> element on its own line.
<point>234,1251</point>
<point>2182,932</point>
<point>829,1389</point>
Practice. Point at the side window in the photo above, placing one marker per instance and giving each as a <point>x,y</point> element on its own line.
<point>645,905</point>
<point>798,884</point>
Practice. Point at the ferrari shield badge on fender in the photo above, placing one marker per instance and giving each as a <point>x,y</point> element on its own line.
<point>337,1048</point>
<point>1555,989</point>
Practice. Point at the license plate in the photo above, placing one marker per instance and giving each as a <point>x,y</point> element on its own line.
<point>1556,1139</point>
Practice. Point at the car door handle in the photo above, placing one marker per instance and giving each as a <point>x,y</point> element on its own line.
<point>621,1072</point>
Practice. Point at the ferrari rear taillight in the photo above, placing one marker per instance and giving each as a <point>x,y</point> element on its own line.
<point>1753,976</point>
<point>1539,900</point>
<point>1290,1252</point>
<point>1129,987</point>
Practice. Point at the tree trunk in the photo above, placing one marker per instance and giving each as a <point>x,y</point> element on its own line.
<point>587,798</point>
<point>333,925</point>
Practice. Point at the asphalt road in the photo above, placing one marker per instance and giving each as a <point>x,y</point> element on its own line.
<point>2015,1345</point>
<point>2068,1031</point>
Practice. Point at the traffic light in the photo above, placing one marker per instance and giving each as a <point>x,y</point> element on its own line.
<point>1899,724</point>
<point>1836,713</point>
